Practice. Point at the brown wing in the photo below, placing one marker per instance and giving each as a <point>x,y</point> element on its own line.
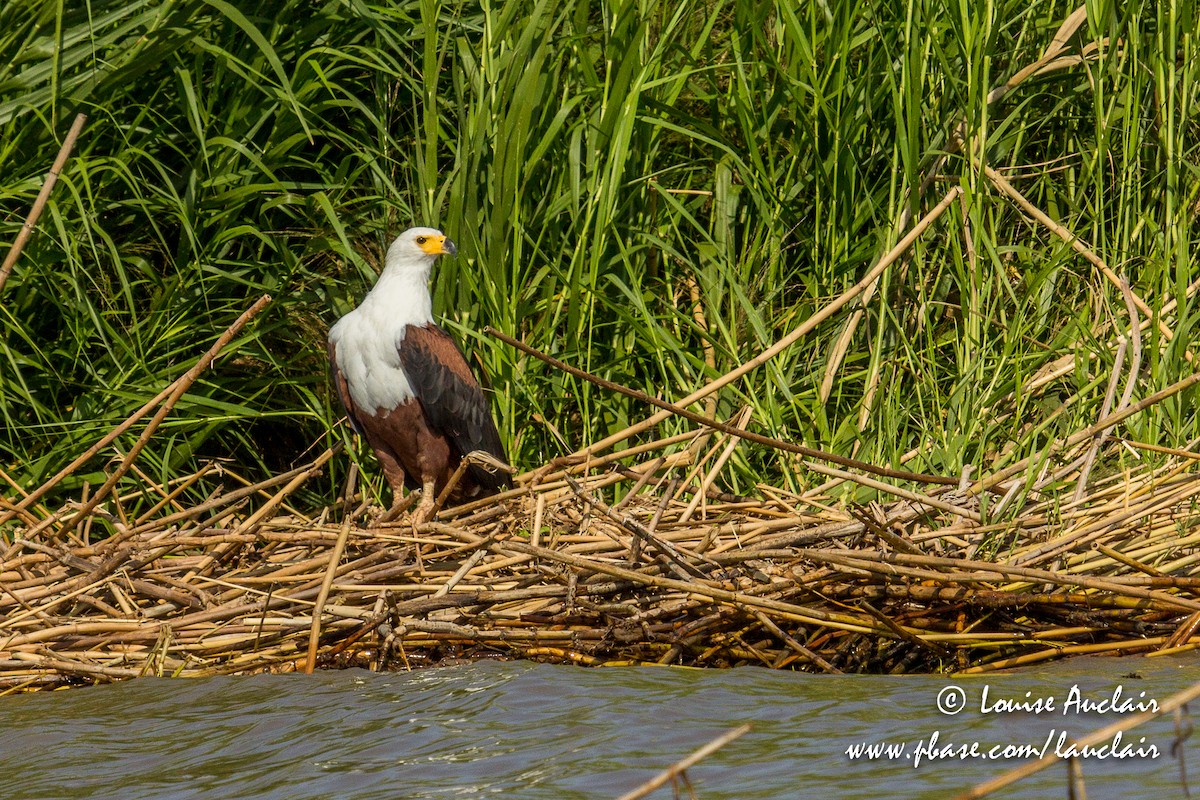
<point>343,390</point>
<point>451,397</point>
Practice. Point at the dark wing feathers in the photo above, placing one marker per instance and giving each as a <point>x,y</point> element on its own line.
<point>453,401</point>
<point>339,383</point>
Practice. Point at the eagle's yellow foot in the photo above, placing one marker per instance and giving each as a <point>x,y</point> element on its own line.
<point>400,504</point>
<point>424,510</point>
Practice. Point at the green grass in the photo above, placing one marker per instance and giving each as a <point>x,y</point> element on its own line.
<point>613,173</point>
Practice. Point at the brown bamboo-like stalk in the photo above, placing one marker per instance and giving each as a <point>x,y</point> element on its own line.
<point>677,769</point>
<point>1124,724</point>
<point>711,475</point>
<point>173,496</point>
<point>334,558</point>
<point>168,397</point>
<point>60,161</point>
<point>732,430</point>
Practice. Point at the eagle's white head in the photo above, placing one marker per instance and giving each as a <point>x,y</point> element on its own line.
<point>416,249</point>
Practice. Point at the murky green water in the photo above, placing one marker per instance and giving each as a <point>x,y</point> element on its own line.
<point>534,731</point>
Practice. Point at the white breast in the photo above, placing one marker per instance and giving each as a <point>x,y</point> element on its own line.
<point>368,341</point>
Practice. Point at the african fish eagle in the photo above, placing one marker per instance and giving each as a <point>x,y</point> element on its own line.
<point>406,385</point>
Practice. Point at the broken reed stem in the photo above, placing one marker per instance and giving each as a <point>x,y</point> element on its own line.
<point>1104,734</point>
<point>335,558</point>
<point>787,341</point>
<point>256,519</point>
<point>731,430</point>
<point>43,197</point>
<point>676,769</point>
<point>710,476</point>
<point>915,497</point>
<point>170,395</point>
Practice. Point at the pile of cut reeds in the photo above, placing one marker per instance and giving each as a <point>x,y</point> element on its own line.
<point>675,572</point>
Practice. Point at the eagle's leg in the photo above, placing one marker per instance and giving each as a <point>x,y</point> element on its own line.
<point>395,478</point>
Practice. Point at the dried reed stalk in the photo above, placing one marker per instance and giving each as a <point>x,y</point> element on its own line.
<point>43,197</point>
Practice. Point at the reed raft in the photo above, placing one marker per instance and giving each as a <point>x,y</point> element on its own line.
<point>674,572</point>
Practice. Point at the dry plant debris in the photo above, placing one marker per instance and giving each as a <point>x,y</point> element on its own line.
<point>670,574</point>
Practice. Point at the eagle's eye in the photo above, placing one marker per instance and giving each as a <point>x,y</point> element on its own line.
<point>420,240</point>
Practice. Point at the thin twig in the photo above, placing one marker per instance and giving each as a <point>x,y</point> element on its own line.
<point>335,558</point>
<point>677,769</point>
<point>35,212</point>
<point>715,424</point>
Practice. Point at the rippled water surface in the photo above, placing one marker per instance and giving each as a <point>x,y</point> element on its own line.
<point>535,731</point>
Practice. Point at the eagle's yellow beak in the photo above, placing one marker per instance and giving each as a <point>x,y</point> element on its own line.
<point>437,245</point>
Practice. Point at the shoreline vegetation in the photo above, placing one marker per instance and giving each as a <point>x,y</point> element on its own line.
<point>676,572</point>
<point>930,332</point>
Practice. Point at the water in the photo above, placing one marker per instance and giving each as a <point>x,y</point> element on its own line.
<point>525,730</point>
